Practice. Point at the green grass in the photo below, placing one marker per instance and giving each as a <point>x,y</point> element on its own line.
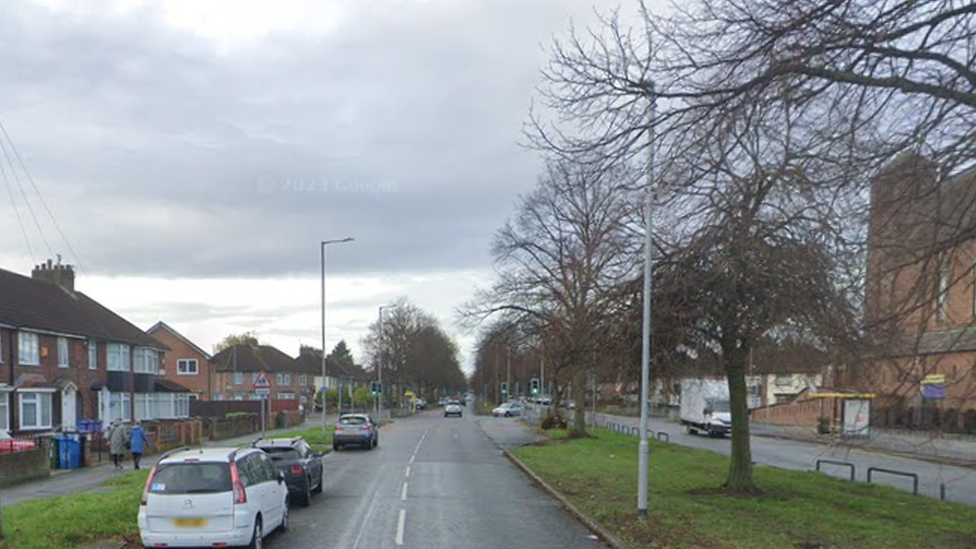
<point>799,509</point>
<point>79,519</point>
<point>313,436</point>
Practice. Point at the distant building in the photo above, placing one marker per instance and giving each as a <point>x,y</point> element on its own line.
<point>185,362</point>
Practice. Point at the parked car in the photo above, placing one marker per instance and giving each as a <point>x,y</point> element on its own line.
<point>301,466</point>
<point>508,409</point>
<point>356,429</point>
<point>212,496</point>
<point>421,404</point>
<point>453,408</point>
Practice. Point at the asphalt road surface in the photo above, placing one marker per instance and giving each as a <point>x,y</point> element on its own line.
<point>433,482</point>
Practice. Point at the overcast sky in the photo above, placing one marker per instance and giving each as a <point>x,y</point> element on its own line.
<point>195,153</point>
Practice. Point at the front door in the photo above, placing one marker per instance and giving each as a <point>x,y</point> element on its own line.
<point>69,408</point>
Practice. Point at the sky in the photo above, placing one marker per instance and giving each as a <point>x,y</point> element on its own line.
<point>194,153</point>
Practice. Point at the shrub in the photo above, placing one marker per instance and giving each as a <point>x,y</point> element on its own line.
<point>553,420</point>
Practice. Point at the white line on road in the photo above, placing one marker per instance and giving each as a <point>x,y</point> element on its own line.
<point>413,457</point>
<point>406,473</point>
<point>403,496</point>
<point>362,529</point>
<point>400,524</point>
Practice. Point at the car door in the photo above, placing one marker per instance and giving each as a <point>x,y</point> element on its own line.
<point>274,490</point>
<point>313,463</point>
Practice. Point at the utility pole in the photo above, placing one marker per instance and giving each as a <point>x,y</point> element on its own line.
<point>643,448</point>
<point>508,375</point>
<point>324,243</point>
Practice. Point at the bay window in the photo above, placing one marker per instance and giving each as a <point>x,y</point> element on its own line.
<point>118,355</point>
<point>146,361</point>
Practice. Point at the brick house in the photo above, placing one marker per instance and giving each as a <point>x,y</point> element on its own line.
<point>236,367</point>
<point>185,363</point>
<point>921,293</point>
<point>64,357</point>
<point>309,361</point>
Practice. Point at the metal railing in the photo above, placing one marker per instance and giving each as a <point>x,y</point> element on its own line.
<point>912,476</point>
<point>837,463</point>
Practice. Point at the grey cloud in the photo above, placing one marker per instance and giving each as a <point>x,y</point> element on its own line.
<point>161,157</point>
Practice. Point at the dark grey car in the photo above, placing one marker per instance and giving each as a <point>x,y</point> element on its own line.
<point>357,430</point>
<point>301,466</point>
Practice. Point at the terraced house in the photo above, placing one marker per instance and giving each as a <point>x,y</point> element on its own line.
<point>64,357</point>
<point>237,367</point>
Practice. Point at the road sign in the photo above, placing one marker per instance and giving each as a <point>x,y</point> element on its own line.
<point>261,382</point>
<point>262,391</point>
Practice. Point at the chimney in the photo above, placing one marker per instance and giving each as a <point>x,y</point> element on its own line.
<point>61,275</point>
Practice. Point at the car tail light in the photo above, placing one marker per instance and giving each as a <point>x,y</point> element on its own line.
<point>338,427</point>
<point>296,470</point>
<point>240,495</point>
<point>367,427</point>
<point>145,491</point>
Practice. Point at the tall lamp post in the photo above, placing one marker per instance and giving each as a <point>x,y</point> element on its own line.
<point>644,447</point>
<point>325,243</point>
<point>379,361</point>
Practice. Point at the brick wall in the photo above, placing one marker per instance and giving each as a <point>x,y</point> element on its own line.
<point>19,467</point>
<point>199,383</point>
<point>803,413</point>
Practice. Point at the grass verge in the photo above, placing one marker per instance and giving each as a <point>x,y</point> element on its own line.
<point>799,509</point>
<point>78,520</point>
<point>313,436</point>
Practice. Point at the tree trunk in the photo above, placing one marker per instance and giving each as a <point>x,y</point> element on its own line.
<point>740,479</point>
<point>579,415</point>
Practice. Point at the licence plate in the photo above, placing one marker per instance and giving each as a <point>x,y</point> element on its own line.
<point>190,522</point>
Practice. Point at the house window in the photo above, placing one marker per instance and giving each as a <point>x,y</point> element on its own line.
<point>118,357</point>
<point>4,412</point>
<point>35,410</point>
<point>187,367</point>
<point>287,379</point>
<point>943,295</point>
<point>238,378</point>
<point>146,361</point>
<point>119,406</point>
<point>286,396</point>
<point>304,399</point>
<point>303,380</point>
<point>145,406</point>
<point>29,347</point>
<point>92,355</point>
<point>62,352</point>
<point>280,379</point>
<point>782,380</point>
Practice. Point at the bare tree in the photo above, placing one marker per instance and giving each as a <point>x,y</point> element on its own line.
<point>561,261</point>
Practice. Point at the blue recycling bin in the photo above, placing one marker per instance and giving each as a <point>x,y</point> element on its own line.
<point>69,450</point>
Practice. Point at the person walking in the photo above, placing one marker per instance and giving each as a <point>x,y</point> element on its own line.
<point>137,443</point>
<point>118,438</point>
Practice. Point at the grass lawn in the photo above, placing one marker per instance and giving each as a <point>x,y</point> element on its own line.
<point>313,436</point>
<point>799,509</point>
<point>79,519</point>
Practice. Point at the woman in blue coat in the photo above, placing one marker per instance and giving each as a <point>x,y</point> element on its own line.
<point>137,442</point>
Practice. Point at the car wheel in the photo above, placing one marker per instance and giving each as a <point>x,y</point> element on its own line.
<point>305,499</point>
<point>285,519</point>
<point>376,442</point>
<point>335,446</point>
<point>508,414</point>
<point>257,537</point>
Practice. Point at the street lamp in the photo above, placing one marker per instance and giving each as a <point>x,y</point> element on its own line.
<point>379,361</point>
<point>325,243</point>
<point>643,448</point>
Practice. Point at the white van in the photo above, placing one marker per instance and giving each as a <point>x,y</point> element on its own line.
<point>213,497</point>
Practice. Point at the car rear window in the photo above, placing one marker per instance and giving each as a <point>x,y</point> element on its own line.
<point>352,421</point>
<point>191,478</point>
<point>278,453</point>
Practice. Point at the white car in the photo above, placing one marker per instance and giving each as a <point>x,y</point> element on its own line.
<point>213,497</point>
<point>508,409</point>
<point>453,409</point>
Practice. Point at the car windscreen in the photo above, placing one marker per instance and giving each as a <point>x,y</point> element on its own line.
<point>352,420</point>
<point>191,478</point>
<point>280,453</point>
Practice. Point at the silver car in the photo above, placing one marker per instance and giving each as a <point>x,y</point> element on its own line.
<point>453,408</point>
<point>357,430</point>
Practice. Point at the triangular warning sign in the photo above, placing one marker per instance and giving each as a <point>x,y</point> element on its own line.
<point>261,382</point>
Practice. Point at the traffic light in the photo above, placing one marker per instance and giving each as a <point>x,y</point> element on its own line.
<point>504,388</point>
<point>375,388</point>
<point>535,386</point>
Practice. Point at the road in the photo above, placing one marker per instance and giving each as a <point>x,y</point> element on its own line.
<point>436,483</point>
<point>960,482</point>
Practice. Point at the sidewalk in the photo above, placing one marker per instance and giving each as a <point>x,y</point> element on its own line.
<point>932,446</point>
<point>89,479</point>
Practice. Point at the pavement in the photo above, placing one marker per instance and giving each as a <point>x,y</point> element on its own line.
<point>91,479</point>
<point>959,482</point>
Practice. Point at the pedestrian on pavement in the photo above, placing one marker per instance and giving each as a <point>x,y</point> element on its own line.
<point>137,443</point>
<point>301,411</point>
<point>117,441</point>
